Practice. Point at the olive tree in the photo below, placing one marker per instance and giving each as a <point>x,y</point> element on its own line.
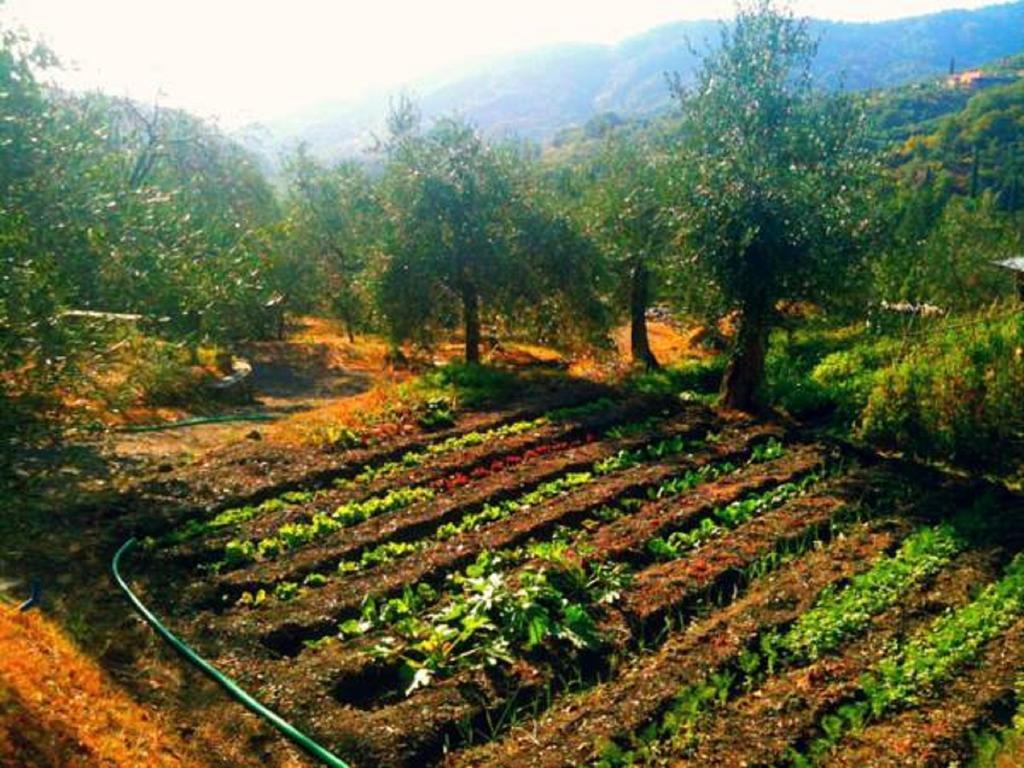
<point>468,239</point>
<point>774,200</point>
<point>332,225</point>
<point>626,207</point>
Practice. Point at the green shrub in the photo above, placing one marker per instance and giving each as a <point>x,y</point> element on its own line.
<point>437,413</point>
<point>824,371</point>
<point>950,392</point>
<point>956,395</point>
<point>160,374</point>
<point>847,376</point>
<point>701,376</point>
<point>472,385</point>
<point>789,386</point>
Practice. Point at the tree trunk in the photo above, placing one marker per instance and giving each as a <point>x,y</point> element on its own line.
<point>639,344</point>
<point>471,317</point>
<point>745,371</point>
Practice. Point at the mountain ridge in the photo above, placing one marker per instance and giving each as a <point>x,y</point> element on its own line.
<point>536,93</point>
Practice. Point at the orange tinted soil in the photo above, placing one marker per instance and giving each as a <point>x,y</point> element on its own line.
<point>57,708</point>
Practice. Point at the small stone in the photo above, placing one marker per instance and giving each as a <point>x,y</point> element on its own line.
<point>254,435</point>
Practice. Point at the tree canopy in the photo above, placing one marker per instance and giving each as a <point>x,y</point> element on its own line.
<point>467,239</point>
<point>773,204</point>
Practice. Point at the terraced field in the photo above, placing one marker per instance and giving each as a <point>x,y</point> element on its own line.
<point>615,582</point>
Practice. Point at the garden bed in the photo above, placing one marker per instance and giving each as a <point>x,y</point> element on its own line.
<point>604,586</point>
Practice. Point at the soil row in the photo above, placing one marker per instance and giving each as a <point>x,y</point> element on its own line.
<point>242,476</point>
<point>573,732</point>
<point>349,665</point>
<point>412,731</point>
<point>760,727</point>
<point>626,539</point>
<point>662,589</point>
<point>423,518</point>
<point>936,733</point>
<point>444,471</point>
<point>322,610</point>
<point>353,668</point>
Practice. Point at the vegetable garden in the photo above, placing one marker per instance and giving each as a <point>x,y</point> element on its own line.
<point>616,582</point>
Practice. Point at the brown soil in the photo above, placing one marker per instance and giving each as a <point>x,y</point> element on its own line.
<point>421,519</point>
<point>627,537</point>
<point>758,728</point>
<point>67,508</point>
<point>674,624</point>
<point>441,557</point>
<point>467,698</point>
<point>935,733</point>
<point>345,665</point>
<point>572,732</point>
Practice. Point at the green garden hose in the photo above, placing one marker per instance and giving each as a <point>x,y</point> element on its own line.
<point>257,416</point>
<point>300,739</point>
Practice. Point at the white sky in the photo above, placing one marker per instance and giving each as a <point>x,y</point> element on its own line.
<point>243,60</point>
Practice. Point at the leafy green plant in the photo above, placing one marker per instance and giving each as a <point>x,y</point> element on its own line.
<point>725,518</point>
<point>437,413</point>
<point>492,617</point>
<point>634,429</point>
<point>253,599</point>
<point>471,384</point>
<point>839,613</point>
<point>450,445</point>
<point>929,658</point>
<point>286,590</point>
<point>291,536</point>
<point>501,510</point>
<point>382,553</point>
<point>769,450</point>
<point>621,461</point>
<point>239,552</point>
<point>230,518</point>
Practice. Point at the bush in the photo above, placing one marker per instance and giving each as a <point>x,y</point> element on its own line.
<point>436,413</point>
<point>823,372</point>
<point>790,386</point>
<point>161,374</point>
<point>700,376</point>
<point>956,395</point>
<point>472,385</point>
<point>848,376</point>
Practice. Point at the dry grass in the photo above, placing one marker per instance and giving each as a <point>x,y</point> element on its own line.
<point>378,411</point>
<point>669,343</point>
<point>58,709</point>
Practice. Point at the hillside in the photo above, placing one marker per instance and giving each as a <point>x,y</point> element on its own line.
<point>536,93</point>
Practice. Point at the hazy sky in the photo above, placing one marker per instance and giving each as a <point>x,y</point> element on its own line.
<point>244,60</point>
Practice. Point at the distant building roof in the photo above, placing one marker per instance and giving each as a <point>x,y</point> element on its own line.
<point>1016,263</point>
<point>977,78</point>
